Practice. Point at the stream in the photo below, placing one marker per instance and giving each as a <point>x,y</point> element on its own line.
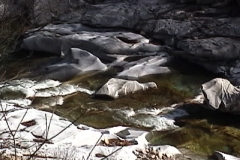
<point>200,130</point>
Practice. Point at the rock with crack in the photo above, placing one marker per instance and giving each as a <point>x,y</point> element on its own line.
<point>222,95</point>
<point>117,87</point>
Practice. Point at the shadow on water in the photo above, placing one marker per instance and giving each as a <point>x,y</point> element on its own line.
<point>203,131</point>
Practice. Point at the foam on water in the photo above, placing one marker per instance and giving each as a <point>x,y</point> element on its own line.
<point>158,119</point>
<point>62,90</point>
<point>20,92</point>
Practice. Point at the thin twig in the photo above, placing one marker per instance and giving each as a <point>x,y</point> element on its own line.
<point>11,133</point>
<point>112,153</point>
<point>21,121</point>
<point>94,146</point>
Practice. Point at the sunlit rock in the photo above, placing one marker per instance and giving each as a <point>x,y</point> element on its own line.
<point>224,156</point>
<point>117,87</point>
<point>145,66</point>
<point>77,61</point>
<point>221,94</point>
<point>63,37</point>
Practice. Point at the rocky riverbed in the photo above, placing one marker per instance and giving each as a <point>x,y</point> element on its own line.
<point>132,77</point>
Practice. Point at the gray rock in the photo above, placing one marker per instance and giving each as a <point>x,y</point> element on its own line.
<point>41,42</point>
<point>197,30</point>
<point>46,11</point>
<point>63,37</point>
<point>76,62</point>
<point>224,27</point>
<point>11,9</point>
<point>216,48</point>
<point>224,156</point>
<point>119,87</point>
<point>168,28</point>
<point>125,13</point>
<point>222,95</point>
<point>145,66</point>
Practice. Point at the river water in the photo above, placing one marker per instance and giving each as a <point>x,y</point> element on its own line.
<point>203,131</point>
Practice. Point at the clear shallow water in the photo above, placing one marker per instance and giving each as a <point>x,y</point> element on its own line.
<point>99,113</point>
<point>202,132</point>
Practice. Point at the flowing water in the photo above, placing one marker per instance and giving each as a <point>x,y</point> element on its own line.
<point>203,131</point>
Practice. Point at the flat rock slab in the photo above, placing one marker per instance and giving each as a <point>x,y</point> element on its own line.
<point>222,95</point>
<point>117,87</point>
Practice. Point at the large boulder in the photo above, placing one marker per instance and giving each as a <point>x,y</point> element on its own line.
<point>220,94</point>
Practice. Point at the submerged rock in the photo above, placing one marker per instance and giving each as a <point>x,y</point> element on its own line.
<point>117,87</point>
<point>222,95</point>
